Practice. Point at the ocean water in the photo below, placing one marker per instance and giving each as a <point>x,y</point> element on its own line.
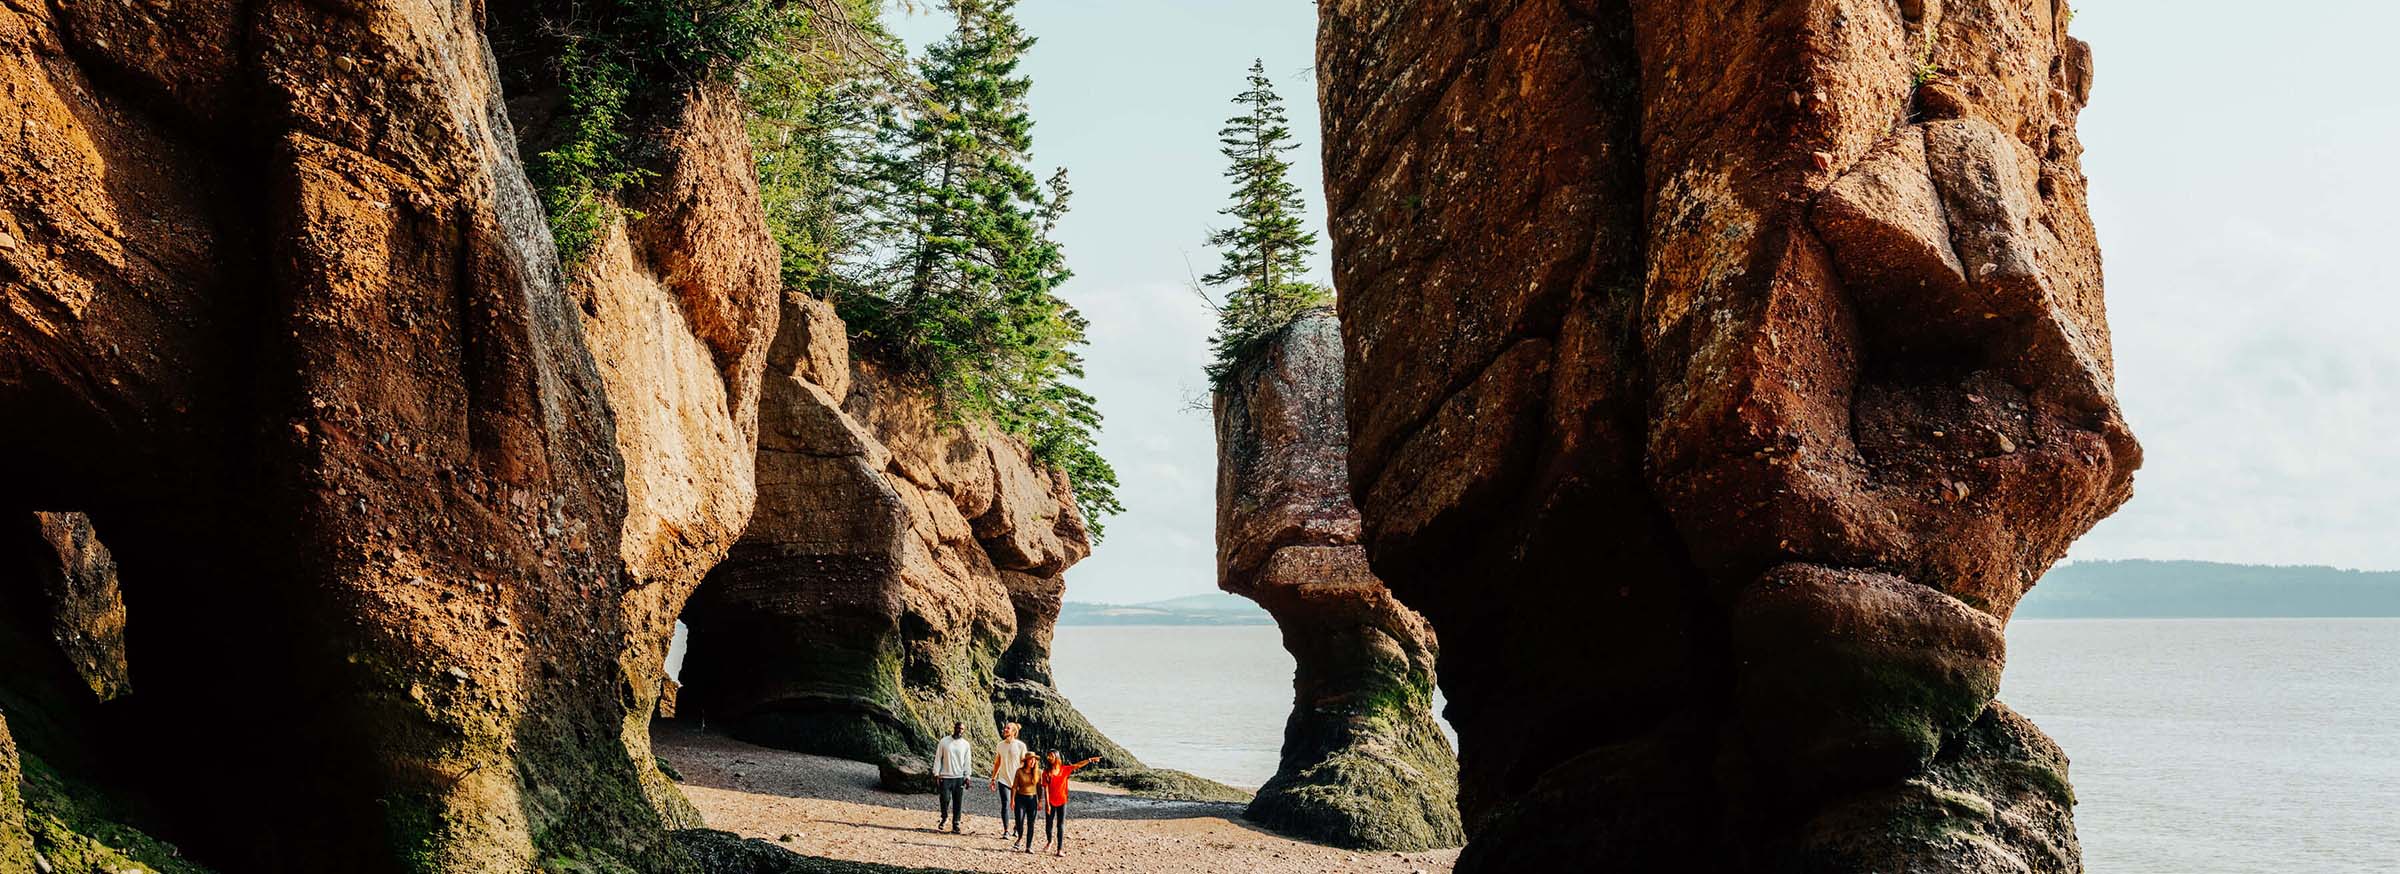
<point>2199,746</point>
<point>2202,746</point>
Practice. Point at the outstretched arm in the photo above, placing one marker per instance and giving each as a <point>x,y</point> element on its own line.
<point>1085,762</point>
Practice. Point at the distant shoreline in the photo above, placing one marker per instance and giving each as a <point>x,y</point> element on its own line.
<point>2125,589</point>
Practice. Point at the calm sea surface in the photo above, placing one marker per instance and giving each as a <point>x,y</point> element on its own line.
<point>2200,746</point>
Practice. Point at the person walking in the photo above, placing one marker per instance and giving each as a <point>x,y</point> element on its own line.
<point>1026,790</point>
<point>1054,823</point>
<point>1004,772</point>
<point>953,760</point>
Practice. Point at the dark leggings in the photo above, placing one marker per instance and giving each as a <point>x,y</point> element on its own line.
<point>1054,826</point>
<point>1027,805</point>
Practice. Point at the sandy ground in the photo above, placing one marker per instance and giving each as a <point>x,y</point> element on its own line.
<point>831,808</point>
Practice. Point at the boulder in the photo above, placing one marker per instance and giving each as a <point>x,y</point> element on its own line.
<point>1715,389</point>
<point>1364,764</point>
<point>906,774</point>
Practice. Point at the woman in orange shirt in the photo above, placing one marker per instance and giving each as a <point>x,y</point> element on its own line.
<point>1054,823</point>
<point>1027,786</point>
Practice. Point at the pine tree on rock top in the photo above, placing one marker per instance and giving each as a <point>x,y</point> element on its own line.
<point>963,285</point>
<point>1265,254</point>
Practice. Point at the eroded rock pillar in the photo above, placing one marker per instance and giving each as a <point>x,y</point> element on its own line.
<point>1364,764</point>
<point>1719,378</point>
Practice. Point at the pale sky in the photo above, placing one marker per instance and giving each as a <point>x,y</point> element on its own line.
<point>2245,176</point>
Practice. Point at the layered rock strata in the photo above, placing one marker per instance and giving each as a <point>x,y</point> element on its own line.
<point>280,294</point>
<point>1364,764</point>
<point>903,571</point>
<point>875,593</point>
<point>1719,377</point>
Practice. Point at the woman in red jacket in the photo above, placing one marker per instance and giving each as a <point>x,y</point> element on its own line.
<point>1054,823</point>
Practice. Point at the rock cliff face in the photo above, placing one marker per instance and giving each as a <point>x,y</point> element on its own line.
<point>274,276</point>
<point>1364,764</point>
<point>899,571</point>
<point>1719,377</point>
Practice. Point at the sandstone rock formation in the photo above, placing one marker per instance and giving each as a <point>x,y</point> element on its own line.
<point>277,286</point>
<point>871,600</point>
<point>1364,764</point>
<point>902,572</point>
<point>1719,377</point>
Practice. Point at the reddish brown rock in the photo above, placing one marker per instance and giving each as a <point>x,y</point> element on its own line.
<point>1364,764</point>
<point>282,293</point>
<point>901,567</point>
<point>1717,410</point>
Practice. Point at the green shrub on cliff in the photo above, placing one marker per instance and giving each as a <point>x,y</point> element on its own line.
<point>812,99</point>
<point>1265,253</point>
<point>610,61</point>
<point>902,195</point>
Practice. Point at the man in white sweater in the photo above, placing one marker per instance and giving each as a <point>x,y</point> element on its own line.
<point>953,760</point>
<point>1004,769</point>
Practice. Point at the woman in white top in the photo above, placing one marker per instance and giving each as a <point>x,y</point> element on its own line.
<point>1004,769</point>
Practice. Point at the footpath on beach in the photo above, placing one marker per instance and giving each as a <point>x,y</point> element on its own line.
<point>831,808</point>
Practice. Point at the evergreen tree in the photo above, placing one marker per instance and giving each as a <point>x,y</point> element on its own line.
<point>1266,252</point>
<point>811,94</point>
<point>963,284</point>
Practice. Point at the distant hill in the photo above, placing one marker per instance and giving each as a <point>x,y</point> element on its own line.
<point>2134,589</point>
<point>1210,602</point>
<point>1213,608</point>
<point>2201,589</point>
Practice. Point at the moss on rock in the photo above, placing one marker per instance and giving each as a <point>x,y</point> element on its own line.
<point>1994,799</point>
<point>722,852</point>
<point>1391,783</point>
<point>1165,784</point>
<point>16,844</point>
<point>79,831</point>
<point>1050,722</point>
